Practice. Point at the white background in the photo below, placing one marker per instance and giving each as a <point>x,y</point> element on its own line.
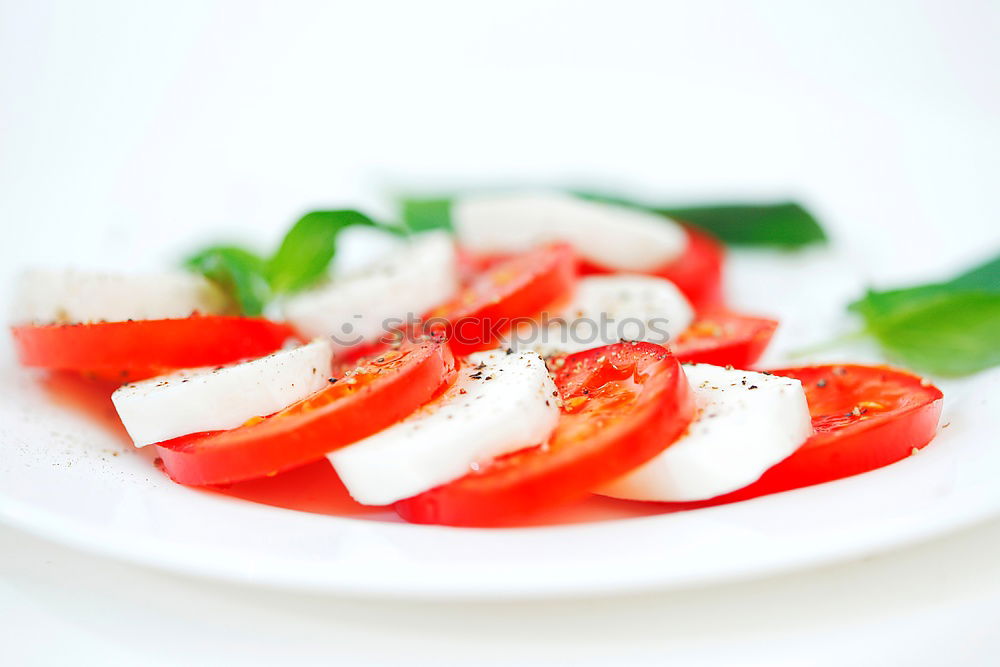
<point>171,123</point>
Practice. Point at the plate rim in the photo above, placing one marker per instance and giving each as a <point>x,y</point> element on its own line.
<point>112,544</point>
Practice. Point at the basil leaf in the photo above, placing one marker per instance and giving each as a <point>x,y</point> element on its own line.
<point>308,247</point>
<point>949,328</point>
<point>950,333</point>
<point>887,303</point>
<point>782,224</point>
<point>882,304</point>
<point>239,272</point>
<point>303,257</point>
<point>985,276</point>
<point>421,215</point>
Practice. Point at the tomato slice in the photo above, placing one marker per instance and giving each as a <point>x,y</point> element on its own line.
<point>471,264</point>
<point>515,289</point>
<point>724,338</point>
<point>138,349</point>
<point>697,273</point>
<point>864,417</point>
<point>374,395</point>
<point>622,405</point>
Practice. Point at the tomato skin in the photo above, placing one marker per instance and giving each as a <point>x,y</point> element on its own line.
<point>517,288</point>
<point>471,264</point>
<point>697,273</point>
<point>622,405</point>
<point>724,338</point>
<point>134,350</point>
<point>379,393</point>
<point>846,441</point>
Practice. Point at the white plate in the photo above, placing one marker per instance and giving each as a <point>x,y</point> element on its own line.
<point>72,478</point>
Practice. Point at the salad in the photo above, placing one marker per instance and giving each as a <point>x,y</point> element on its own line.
<point>501,355</point>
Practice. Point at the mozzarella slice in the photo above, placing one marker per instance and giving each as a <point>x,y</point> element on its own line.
<point>746,423</point>
<point>615,237</point>
<point>359,247</point>
<point>360,308</point>
<point>500,403</point>
<point>212,399</point>
<point>60,297</point>
<point>607,309</point>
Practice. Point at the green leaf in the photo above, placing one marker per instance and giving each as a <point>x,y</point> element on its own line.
<point>985,276</point>
<point>782,224</point>
<point>875,305</point>
<point>421,215</point>
<point>239,272</point>
<point>888,303</point>
<point>948,328</point>
<point>948,333</point>
<point>308,247</point>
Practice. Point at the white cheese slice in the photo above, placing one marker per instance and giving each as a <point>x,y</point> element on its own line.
<point>219,398</point>
<point>362,307</point>
<point>70,296</point>
<point>607,309</point>
<point>615,237</point>
<point>499,404</point>
<point>746,423</point>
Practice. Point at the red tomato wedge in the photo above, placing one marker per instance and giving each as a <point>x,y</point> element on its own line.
<point>377,393</point>
<point>138,349</point>
<point>697,273</point>
<point>865,417</point>
<point>723,338</point>
<point>622,405</point>
<point>520,287</point>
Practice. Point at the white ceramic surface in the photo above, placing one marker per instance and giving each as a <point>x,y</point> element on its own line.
<point>68,476</point>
